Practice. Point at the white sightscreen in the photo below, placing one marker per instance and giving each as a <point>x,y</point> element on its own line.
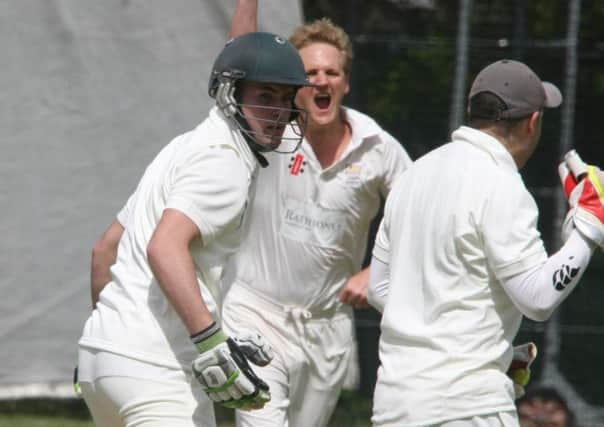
<point>90,91</point>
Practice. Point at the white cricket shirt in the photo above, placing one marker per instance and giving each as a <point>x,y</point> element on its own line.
<point>208,175</point>
<point>458,222</point>
<point>308,225</point>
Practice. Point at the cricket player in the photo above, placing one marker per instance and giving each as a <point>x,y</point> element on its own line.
<point>155,323</point>
<point>458,260</point>
<point>297,276</point>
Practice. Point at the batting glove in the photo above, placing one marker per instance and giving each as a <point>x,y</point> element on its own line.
<point>520,368</point>
<point>584,189</point>
<point>254,347</point>
<point>223,370</point>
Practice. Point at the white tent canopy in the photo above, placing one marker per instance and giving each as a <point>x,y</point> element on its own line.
<point>91,90</point>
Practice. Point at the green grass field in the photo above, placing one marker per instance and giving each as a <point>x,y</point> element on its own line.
<point>352,411</point>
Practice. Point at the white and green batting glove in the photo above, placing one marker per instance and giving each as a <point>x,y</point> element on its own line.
<point>224,372</point>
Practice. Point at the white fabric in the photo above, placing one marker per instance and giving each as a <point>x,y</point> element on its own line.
<point>117,398</point>
<point>500,419</point>
<point>308,235</point>
<point>379,283</point>
<point>536,292</point>
<point>458,222</point>
<point>309,226</point>
<point>312,351</point>
<point>205,174</point>
<point>539,291</point>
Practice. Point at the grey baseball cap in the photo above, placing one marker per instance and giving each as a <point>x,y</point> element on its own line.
<point>520,89</point>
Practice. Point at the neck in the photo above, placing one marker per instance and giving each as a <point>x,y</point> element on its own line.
<point>511,143</point>
<point>329,141</point>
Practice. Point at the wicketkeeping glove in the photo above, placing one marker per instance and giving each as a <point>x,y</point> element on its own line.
<point>223,370</point>
<point>520,368</point>
<point>584,188</point>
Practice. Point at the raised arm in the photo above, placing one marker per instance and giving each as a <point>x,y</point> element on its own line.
<point>244,18</point>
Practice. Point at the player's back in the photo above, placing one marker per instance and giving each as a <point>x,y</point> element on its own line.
<point>441,338</point>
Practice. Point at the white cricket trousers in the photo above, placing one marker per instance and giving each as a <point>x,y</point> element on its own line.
<point>151,397</point>
<point>312,351</point>
<point>497,419</point>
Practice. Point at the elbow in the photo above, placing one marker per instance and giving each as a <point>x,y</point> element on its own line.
<point>539,313</point>
<point>539,316</point>
<point>153,252</point>
<point>100,251</point>
<point>374,299</point>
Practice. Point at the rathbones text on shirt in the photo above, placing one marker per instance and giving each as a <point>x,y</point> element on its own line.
<point>308,222</point>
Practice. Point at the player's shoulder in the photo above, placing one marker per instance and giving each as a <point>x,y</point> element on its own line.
<point>368,129</point>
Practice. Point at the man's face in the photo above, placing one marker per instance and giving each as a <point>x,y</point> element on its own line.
<point>542,413</point>
<point>267,108</point>
<point>324,66</point>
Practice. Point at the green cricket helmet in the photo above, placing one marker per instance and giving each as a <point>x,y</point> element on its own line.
<point>263,58</point>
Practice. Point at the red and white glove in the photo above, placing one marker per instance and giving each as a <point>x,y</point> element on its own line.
<point>584,188</point>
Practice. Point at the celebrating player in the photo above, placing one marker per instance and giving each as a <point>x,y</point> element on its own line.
<point>458,260</point>
<point>153,325</point>
<point>298,274</point>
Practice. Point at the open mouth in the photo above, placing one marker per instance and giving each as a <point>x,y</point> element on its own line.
<point>322,101</point>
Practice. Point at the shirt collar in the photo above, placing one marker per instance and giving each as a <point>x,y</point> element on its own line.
<point>488,143</point>
<point>238,140</point>
<point>363,127</point>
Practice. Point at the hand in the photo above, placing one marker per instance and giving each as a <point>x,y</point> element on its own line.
<point>224,372</point>
<point>520,368</point>
<point>354,292</point>
<point>584,187</point>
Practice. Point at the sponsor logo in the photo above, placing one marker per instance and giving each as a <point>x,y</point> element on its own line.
<point>564,275</point>
<point>297,164</point>
<point>353,174</point>
<point>307,222</point>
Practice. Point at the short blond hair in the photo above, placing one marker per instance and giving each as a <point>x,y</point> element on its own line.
<point>324,31</point>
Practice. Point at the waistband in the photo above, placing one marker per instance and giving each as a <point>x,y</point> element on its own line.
<point>242,290</point>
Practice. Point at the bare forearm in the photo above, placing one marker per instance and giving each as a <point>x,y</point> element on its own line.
<point>103,257</point>
<point>174,269</point>
<point>100,274</point>
<point>244,18</point>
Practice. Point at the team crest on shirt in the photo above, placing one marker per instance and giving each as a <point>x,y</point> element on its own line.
<point>296,165</point>
<point>352,174</point>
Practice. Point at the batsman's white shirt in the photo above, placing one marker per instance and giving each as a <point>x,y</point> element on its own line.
<point>455,224</point>
<point>207,174</point>
<point>309,225</point>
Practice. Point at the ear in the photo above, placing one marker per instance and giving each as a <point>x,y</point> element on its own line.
<point>347,84</point>
<point>534,122</point>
